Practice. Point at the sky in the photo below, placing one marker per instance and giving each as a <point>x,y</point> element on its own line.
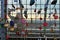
<point>28,6</point>
<point>33,6</point>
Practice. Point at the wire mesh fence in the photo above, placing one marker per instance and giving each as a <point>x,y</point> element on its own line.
<point>33,19</point>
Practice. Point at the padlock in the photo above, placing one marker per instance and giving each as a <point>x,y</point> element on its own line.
<point>17,33</point>
<point>6,25</point>
<point>45,24</point>
<point>40,18</point>
<point>35,10</point>
<point>40,28</point>
<point>56,17</point>
<point>12,29</point>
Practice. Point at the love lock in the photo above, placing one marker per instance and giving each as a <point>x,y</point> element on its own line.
<point>6,25</point>
<point>0,19</point>
<point>45,24</point>
<point>55,38</point>
<point>11,29</point>
<point>35,10</point>
<point>17,33</point>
